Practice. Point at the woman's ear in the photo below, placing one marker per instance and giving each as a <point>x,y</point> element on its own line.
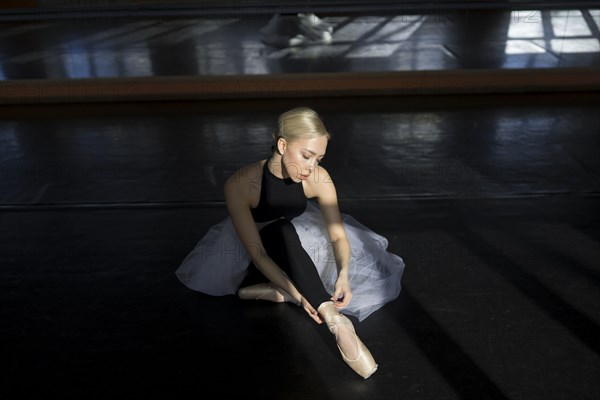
<point>281,144</point>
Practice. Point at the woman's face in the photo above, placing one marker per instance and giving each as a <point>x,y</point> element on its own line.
<point>301,156</point>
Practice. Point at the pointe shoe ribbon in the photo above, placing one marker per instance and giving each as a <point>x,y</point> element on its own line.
<point>363,363</point>
<point>265,291</point>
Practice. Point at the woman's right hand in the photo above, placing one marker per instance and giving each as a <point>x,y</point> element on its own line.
<point>310,310</point>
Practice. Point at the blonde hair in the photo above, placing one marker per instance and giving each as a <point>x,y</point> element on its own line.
<point>300,123</point>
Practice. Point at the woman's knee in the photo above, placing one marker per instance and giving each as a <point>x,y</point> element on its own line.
<point>281,226</point>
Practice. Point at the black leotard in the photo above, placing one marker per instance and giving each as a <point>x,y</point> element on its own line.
<point>279,198</point>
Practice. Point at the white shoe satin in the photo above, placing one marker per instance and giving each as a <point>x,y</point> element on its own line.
<point>363,362</point>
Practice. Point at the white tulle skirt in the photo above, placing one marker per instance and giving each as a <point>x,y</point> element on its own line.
<point>218,263</point>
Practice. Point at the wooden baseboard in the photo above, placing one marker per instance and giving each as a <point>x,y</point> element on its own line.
<point>298,85</point>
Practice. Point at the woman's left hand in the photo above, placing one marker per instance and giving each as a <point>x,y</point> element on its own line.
<point>343,294</point>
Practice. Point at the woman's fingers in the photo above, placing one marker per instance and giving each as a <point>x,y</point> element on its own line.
<point>317,319</point>
<point>336,296</point>
<point>313,314</point>
<point>310,310</point>
<point>342,300</point>
<point>341,303</point>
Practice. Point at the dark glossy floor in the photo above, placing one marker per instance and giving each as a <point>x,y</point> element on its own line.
<point>105,46</point>
<point>491,200</point>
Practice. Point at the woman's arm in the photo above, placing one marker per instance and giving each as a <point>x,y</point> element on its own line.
<point>328,203</point>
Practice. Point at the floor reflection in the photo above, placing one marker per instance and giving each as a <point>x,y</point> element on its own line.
<point>128,47</point>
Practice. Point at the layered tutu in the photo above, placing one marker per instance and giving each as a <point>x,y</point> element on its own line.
<point>218,263</point>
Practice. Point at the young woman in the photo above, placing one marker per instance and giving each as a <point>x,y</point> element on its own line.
<point>277,245</point>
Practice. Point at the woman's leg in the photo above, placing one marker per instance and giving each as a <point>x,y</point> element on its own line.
<point>283,245</point>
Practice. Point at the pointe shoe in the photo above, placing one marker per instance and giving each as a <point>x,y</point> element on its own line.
<point>265,291</point>
<point>316,22</point>
<point>363,364</point>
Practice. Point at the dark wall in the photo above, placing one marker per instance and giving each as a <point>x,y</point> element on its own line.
<point>228,7</point>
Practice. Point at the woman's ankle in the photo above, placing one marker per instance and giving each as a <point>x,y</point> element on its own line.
<point>327,309</point>
<point>342,328</point>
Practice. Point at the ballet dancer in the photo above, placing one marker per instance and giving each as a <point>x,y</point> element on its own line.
<point>271,218</point>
